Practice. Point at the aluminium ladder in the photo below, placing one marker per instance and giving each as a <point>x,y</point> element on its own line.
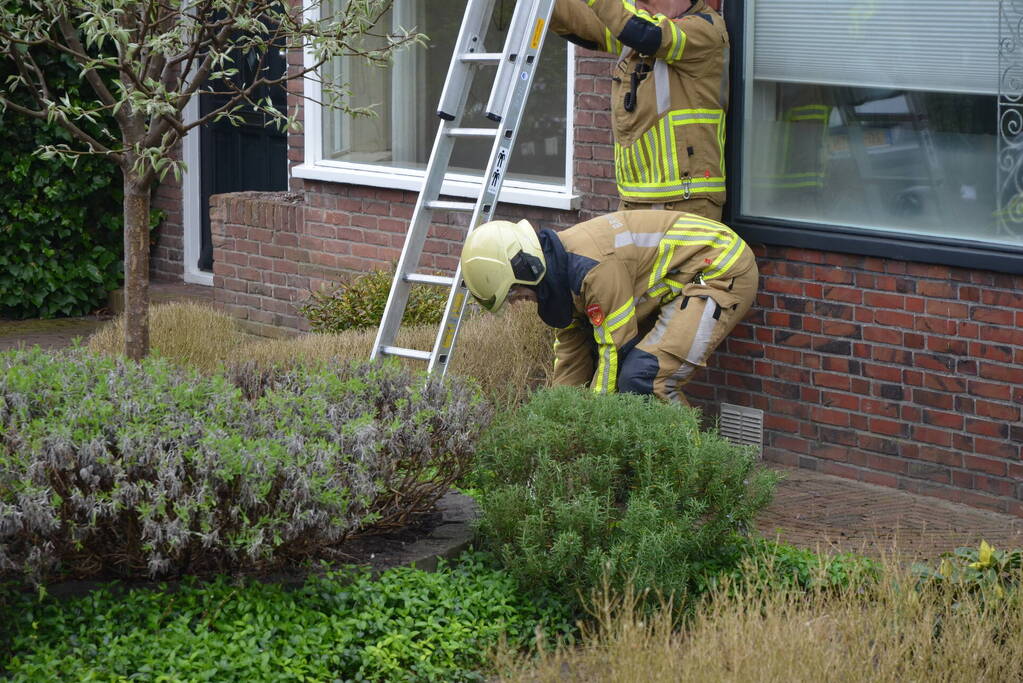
<point>516,66</point>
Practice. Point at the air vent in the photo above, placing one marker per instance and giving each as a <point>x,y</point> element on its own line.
<point>744,426</point>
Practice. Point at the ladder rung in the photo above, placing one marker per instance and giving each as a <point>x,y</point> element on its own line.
<point>473,132</point>
<point>482,57</point>
<point>440,280</point>
<point>407,353</point>
<point>451,206</point>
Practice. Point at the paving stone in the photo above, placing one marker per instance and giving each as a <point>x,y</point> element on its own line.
<point>824,512</point>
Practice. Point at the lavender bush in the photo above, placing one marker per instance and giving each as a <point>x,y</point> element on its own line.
<point>114,468</point>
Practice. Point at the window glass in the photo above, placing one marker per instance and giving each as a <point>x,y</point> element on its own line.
<point>874,115</point>
<point>404,99</point>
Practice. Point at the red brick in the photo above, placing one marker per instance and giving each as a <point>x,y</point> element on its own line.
<point>845,294</point>
<point>829,416</point>
<point>833,381</point>
<point>834,399</point>
<point>931,435</point>
<point>945,383</point>
<point>988,465</point>
<point>1002,373</point>
<point>879,300</point>
<point>993,316</point>
<point>998,411</point>
<point>882,372</point>
<point>943,419</point>
<point>881,408</point>
<point>882,335</point>
<point>998,449</point>
<point>888,427</point>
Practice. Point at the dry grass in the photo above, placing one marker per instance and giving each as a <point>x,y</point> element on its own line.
<point>885,632</point>
<point>507,354</point>
<point>191,334</point>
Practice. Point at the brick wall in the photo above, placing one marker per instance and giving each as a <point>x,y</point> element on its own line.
<point>167,257</point>
<point>893,373</point>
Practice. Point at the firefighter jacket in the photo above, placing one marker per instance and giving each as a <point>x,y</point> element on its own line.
<point>669,95</point>
<point>621,269</point>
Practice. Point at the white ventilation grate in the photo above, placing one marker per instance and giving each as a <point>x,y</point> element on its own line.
<point>744,426</point>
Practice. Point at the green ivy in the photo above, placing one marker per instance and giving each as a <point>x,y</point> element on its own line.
<point>408,625</point>
<point>60,222</point>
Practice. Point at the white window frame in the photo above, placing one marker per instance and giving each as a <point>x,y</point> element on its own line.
<point>314,167</point>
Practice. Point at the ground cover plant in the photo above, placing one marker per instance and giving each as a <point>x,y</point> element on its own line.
<point>887,627</point>
<point>197,336</point>
<point>118,468</point>
<point>408,625</point>
<point>580,487</point>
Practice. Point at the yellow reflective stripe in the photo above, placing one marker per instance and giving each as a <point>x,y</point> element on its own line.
<point>649,160</point>
<point>721,144</point>
<point>678,43</point>
<point>809,112</point>
<point>621,316</point>
<point>613,46</point>
<point>607,364</point>
<point>725,261</point>
<point>607,361</point>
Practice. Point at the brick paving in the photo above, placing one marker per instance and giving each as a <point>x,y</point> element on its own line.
<point>820,511</point>
<point>810,510</point>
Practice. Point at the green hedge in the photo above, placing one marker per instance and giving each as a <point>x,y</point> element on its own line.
<point>60,223</point>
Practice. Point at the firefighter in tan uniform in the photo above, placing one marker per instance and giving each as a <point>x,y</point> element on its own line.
<point>669,95</point>
<point>640,299</point>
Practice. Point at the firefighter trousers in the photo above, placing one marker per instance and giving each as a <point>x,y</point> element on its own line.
<point>685,333</point>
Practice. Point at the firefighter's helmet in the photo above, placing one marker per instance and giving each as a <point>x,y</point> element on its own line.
<point>498,255</point>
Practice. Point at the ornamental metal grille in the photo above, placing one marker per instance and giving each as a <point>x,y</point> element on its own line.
<point>1010,120</point>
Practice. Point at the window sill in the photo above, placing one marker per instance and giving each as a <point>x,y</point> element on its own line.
<point>512,192</point>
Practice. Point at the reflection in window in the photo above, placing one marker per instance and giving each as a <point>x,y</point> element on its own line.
<point>405,97</point>
<point>892,159</point>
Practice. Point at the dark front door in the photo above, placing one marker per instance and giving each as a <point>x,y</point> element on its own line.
<point>252,155</point>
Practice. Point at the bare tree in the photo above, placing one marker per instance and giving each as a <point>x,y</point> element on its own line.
<point>145,59</point>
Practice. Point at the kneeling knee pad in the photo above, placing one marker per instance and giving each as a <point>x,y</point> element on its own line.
<point>637,373</point>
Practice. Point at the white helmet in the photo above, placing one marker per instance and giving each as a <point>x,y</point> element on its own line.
<point>496,256</point>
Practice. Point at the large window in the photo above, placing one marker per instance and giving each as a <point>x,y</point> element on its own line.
<point>878,119</point>
<point>394,144</point>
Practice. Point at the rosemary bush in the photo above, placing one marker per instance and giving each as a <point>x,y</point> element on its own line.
<point>581,487</point>
<point>114,468</point>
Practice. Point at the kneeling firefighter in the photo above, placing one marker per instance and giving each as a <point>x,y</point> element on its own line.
<point>640,299</point>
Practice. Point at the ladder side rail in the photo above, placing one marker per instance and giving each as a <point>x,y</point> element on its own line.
<point>522,18</point>
<point>512,112</point>
<point>471,37</point>
<point>456,90</point>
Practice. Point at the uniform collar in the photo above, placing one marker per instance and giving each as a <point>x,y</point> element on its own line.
<point>553,293</point>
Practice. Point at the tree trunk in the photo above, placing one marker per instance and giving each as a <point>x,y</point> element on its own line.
<point>136,266</point>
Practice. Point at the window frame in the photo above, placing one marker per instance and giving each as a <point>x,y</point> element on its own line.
<point>929,249</point>
<point>314,167</point>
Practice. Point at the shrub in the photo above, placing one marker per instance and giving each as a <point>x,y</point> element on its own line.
<point>60,222</point>
<point>579,486</point>
<point>359,302</point>
<point>112,467</point>
<point>407,626</point>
